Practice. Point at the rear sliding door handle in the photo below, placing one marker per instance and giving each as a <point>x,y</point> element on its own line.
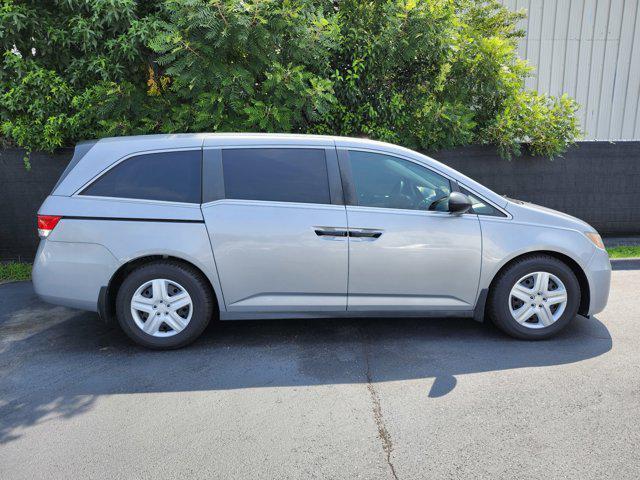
<point>369,233</point>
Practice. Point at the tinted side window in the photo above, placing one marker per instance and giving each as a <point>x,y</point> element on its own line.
<point>390,182</point>
<point>480,207</point>
<point>276,174</point>
<point>168,176</point>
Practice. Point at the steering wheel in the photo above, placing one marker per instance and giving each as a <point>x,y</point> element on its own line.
<point>406,194</point>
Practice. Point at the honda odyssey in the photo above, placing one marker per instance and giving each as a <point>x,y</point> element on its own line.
<point>162,233</point>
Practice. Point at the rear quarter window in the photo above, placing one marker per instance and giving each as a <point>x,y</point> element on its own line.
<point>165,176</point>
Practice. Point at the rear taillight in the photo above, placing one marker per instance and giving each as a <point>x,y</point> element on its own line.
<point>46,223</point>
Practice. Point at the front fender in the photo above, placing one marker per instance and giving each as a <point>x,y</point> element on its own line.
<point>503,240</point>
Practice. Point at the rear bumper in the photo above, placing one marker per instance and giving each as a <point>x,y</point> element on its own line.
<point>599,275</point>
<point>71,274</point>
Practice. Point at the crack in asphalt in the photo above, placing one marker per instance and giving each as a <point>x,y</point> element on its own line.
<point>383,433</point>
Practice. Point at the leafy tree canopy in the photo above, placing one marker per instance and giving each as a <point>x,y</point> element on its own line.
<point>425,74</point>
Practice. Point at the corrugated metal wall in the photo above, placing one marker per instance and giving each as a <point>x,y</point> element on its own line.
<point>589,49</point>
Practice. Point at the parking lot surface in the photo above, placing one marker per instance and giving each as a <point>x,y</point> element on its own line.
<point>364,398</point>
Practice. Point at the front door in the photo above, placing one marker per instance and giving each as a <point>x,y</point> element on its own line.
<point>277,229</point>
<point>406,252</point>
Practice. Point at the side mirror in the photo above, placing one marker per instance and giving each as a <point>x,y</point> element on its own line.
<point>459,203</point>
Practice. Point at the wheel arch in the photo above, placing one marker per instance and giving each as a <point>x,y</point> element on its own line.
<point>585,293</point>
<point>107,297</point>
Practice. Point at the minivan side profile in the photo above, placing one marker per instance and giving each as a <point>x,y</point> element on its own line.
<point>162,233</point>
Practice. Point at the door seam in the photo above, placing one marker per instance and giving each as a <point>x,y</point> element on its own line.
<point>346,213</point>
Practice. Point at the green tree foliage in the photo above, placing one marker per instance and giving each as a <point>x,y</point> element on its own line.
<point>235,65</point>
<point>62,59</point>
<point>425,74</point>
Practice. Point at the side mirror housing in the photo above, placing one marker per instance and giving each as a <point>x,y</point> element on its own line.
<point>459,203</point>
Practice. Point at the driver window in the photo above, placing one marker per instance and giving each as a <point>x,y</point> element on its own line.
<point>389,182</point>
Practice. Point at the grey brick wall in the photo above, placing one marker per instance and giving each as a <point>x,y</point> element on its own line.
<point>598,182</point>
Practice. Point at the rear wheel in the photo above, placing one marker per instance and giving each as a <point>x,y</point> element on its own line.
<point>164,305</point>
<point>534,297</point>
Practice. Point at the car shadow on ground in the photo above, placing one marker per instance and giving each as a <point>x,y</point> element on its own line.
<point>56,362</point>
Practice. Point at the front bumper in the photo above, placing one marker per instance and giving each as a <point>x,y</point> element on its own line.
<point>599,275</point>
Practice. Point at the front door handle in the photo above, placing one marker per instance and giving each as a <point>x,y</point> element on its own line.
<point>369,233</point>
<point>330,231</point>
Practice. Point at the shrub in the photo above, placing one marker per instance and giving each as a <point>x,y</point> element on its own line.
<point>425,74</point>
<point>233,65</point>
<point>65,62</point>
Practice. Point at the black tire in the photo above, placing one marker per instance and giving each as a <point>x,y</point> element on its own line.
<point>499,296</point>
<point>190,279</point>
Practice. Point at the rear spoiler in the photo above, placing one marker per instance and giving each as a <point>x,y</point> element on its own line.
<point>81,149</point>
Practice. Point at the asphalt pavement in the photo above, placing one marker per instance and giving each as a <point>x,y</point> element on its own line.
<point>343,399</point>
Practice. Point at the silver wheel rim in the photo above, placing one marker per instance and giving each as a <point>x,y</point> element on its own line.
<point>538,300</point>
<point>161,307</point>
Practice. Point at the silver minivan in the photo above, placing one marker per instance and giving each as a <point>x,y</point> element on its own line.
<point>162,233</point>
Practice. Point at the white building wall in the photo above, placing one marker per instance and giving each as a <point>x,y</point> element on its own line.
<point>589,49</point>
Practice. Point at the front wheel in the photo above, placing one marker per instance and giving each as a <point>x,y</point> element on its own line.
<point>164,305</point>
<point>534,298</point>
